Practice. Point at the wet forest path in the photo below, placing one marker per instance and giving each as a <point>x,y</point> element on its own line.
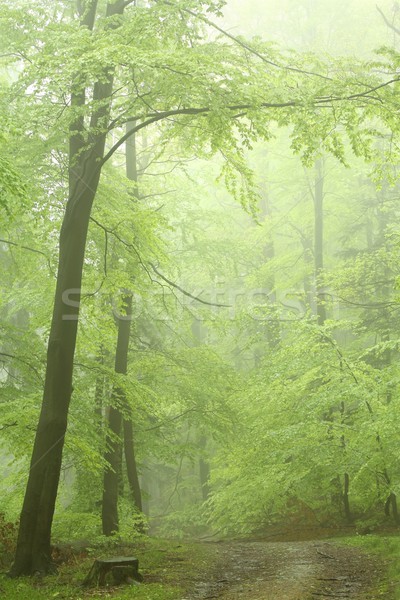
<point>306,570</point>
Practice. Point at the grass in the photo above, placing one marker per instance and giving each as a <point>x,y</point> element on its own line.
<point>169,569</point>
<point>387,547</point>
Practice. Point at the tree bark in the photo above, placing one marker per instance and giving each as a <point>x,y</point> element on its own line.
<point>33,552</point>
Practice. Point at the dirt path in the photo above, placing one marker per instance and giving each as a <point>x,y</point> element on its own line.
<point>314,570</point>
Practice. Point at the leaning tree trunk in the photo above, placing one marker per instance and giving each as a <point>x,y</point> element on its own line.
<point>33,553</point>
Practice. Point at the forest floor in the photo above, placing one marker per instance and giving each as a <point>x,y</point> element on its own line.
<point>305,570</point>
<point>353,568</point>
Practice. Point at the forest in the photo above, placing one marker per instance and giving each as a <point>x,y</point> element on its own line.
<point>199,299</point>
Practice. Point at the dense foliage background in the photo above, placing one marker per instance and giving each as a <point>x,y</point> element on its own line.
<point>261,252</point>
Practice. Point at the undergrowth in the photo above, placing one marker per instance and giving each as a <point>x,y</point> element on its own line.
<point>387,547</point>
<point>168,567</point>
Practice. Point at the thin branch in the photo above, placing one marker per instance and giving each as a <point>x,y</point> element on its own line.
<point>24,362</point>
<point>371,305</point>
<point>124,243</point>
<point>185,292</point>
<point>6,425</point>
<point>29,249</point>
<point>390,25</point>
<point>241,43</point>
<point>174,418</point>
<point>342,358</point>
<point>156,194</point>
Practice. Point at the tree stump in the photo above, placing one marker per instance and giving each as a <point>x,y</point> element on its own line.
<point>123,569</point>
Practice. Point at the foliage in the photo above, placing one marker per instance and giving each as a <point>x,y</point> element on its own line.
<point>228,366</point>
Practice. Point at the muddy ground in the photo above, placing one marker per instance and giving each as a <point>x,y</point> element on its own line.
<point>306,570</point>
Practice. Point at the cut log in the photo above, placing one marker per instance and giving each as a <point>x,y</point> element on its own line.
<point>123,569</point>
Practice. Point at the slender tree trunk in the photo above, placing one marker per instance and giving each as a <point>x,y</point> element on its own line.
<point>129,442</point>
<point>33,553</point>
<point>395,512</point>
<point>273,331</point>
<point>346,502</point>
<point>319,241</point>
<point>109,513</point>
<point>113,441</point>
<point>121,414</point>
<point>391,504</point>
<point>204,469</point>
<point>346,482</point>
<point>131,467</point>
<point>99,395</point>
<point>307,281</point>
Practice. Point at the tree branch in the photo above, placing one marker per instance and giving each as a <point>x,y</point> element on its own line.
<point>240,42</point>
<point>390,25</point>
<point>10,243</point>
<point>24,362</point>
<point>6,425</point>
<point>185,292</point>
<point>159,116</point>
